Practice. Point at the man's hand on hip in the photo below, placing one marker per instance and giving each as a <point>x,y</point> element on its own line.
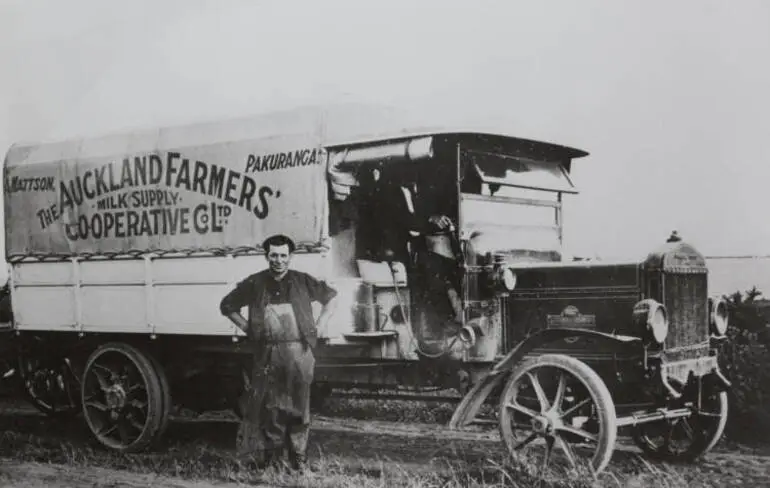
<point>239,321</point>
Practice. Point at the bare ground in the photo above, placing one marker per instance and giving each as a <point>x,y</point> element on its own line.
<point>362,446</point>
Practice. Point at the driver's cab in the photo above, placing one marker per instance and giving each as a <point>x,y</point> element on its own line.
<point>413,234</point>
<point>395,238</point>
<point>512,205</point>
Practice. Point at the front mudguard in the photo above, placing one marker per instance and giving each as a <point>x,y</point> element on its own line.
<point>468,408</point>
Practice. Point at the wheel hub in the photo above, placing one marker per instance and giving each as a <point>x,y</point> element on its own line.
<point>544,424</point>
<point>116,398</point>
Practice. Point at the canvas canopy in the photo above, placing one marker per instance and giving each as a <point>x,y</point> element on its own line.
<point>190,198</point>
<point>204,187</point>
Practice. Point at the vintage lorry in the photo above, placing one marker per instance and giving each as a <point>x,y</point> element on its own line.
<point>121,247</point>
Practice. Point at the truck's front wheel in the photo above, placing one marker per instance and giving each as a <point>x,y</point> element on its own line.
<point>556,401</point>
<point>685,439</point>
<point>123,399</point>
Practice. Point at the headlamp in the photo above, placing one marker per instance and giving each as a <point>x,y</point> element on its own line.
<point>509,279</point>
<point>719,316</point>
<point>651,317</point>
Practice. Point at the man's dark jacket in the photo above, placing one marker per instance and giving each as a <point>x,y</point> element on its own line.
<point>303,289</point>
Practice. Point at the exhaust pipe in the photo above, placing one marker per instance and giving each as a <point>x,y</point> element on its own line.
<point>412,150</point>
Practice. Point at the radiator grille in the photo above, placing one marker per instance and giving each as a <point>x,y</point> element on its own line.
<point>686,300</point>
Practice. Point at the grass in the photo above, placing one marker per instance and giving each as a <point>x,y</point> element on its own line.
<point>394,411</point>
<point>204,453</point>
<point>201,462</point>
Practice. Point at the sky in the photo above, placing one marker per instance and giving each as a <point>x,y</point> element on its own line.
<point>669,98</point>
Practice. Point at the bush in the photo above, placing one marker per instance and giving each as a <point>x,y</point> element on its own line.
<point>745,358</point>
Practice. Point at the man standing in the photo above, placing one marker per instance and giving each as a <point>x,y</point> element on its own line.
<point>281,327</point>
<point>423,208</point>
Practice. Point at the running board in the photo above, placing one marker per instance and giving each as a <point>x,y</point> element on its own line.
<point>370,336</point>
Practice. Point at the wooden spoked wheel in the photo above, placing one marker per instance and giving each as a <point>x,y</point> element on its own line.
<point>685,439</point>
<point>50,385</point>
<point>123,399</point>
<point>558,401</point>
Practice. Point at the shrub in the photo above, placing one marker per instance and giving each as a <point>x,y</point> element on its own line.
<point>745,358</point>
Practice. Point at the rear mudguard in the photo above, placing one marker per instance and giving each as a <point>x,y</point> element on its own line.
<point>468,408</point>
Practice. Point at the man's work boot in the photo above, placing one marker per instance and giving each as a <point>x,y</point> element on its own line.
<point>272,458</point>
<point>298,462</point>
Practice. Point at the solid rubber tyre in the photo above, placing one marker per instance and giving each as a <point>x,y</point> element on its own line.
<point>165,395</point>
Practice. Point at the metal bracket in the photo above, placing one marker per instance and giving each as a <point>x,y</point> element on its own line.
<point>76,288</point>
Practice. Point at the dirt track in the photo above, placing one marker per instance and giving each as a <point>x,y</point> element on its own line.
<point>36,475</point>
<point>363,445</point>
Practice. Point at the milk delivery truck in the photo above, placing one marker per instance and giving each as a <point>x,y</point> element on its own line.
<point>121,247</point>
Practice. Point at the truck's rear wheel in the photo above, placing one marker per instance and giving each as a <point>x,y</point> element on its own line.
<point>165,388</point>
<point>122,396</point>
<point>558,401</point>
<point>49,384</point>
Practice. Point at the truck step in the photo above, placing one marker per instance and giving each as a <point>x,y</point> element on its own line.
<point>370,336</point>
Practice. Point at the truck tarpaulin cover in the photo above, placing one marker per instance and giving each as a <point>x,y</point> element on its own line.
<point>221,196</point>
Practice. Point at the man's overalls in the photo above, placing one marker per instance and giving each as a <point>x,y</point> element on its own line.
<point>277,408</point>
